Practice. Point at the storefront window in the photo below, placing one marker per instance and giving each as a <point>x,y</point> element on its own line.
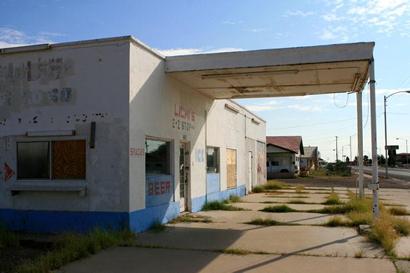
<point>212,160</point>
<point>157,157</point>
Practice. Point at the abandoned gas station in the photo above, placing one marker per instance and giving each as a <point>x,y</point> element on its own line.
<point>110,133</point>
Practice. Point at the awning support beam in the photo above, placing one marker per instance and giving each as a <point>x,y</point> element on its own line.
<point>374,185</point>
<point>359,107</point>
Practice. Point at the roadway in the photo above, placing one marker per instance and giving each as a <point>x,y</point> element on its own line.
<point>393,172</point>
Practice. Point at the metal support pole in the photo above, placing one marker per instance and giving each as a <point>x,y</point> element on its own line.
<point>337,155</point>
<point>360,141</point>
<point>385,139</point>
<point>374,185</point>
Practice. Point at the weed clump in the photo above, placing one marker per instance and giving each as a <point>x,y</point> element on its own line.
<point>263,222</point>
<point>220,205</point>
<point>71,247</point>
<point>279,208</point>
<point>332,199</point>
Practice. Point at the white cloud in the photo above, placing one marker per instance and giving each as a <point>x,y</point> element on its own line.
<point>383,16</point>
<point>299,13</point>
<point>256,30</point>
<point>190,51</point>
<point>10,37</point>
<point>231,22</point>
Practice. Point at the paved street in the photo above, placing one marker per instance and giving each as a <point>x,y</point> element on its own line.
<point>228,244</point>
<point>393,172</point>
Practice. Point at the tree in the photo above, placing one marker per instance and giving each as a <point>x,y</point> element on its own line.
<point>347,159</point>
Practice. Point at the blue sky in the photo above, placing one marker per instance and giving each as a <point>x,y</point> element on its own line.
<point>180,27</point>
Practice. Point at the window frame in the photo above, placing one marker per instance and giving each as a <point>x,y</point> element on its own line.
<point>217,151</point>
<point>170,155</point>
<point>50,158</point>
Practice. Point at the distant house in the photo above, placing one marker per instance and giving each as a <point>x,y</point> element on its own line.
<point>309,161</point>
<point>283,155</point>
<point>403,158</point>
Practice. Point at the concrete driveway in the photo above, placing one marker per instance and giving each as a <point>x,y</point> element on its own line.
<point>228,244</point>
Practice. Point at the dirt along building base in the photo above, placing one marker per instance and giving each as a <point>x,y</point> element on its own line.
<point>97,134</point>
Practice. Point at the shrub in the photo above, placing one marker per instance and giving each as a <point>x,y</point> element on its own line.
<point>360,218</point>
<point>383,232</point>
<point>279,208</point>
<point>339,168</point>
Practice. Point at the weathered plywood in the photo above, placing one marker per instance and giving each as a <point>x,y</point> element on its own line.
<point>231,168</point>
<point>68,159</point>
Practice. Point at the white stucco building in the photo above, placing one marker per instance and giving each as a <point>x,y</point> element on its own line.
<point>98,133</point>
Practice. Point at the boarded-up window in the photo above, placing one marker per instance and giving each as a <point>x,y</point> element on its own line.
<point>68,159</point>
<point>231,167</point>
<point>51,159</point>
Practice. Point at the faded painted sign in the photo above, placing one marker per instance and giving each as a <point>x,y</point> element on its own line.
<point>34,83</point>
<point>159,190</point>
<point>137,151</point>
<point>183,118</point>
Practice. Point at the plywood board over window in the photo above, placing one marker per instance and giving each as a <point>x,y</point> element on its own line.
<point>231,168</point>
<point>68,159</point>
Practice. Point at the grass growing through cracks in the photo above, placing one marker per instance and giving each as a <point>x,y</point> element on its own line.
<point>269,186</point>
<point>332,199</point>
<point>71,247</point>
<point>398,211</point>
<point>279,208</point>
<point>220,205</point>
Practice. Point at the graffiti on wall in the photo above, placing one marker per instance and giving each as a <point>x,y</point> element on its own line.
<point>8,172</point>
<point>183,118</point>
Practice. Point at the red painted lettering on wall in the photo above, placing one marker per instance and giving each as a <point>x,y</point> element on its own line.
<point>159,187</point>
<point>183,113</point>
<point>137,151</point>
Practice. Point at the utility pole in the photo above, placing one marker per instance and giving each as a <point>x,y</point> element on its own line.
<point>337,155</point>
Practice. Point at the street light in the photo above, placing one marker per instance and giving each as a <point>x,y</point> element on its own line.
<point>385,127</point>
<point>407,149</point>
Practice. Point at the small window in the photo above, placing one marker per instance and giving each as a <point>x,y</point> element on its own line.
<point>275,163</point>
<point>212,160</point>
<point>33,160</point>
<point>51,160</point>
<point>157,157</point>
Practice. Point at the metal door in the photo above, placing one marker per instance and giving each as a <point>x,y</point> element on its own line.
<point>184,164</point>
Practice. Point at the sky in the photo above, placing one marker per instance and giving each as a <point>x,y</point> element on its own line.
<point>194,26</point>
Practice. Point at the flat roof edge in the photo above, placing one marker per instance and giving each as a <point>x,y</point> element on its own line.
<point>360,51</point>
<point>38,47</point>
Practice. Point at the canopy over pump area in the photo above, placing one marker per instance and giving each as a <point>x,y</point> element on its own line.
<point>286,72</point>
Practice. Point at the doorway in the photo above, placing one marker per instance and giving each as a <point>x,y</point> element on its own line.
<point>184,176</point>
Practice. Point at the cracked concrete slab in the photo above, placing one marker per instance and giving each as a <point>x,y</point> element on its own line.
<point>132,259</point>
<point>302,218</point>
<point>312,240</point>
